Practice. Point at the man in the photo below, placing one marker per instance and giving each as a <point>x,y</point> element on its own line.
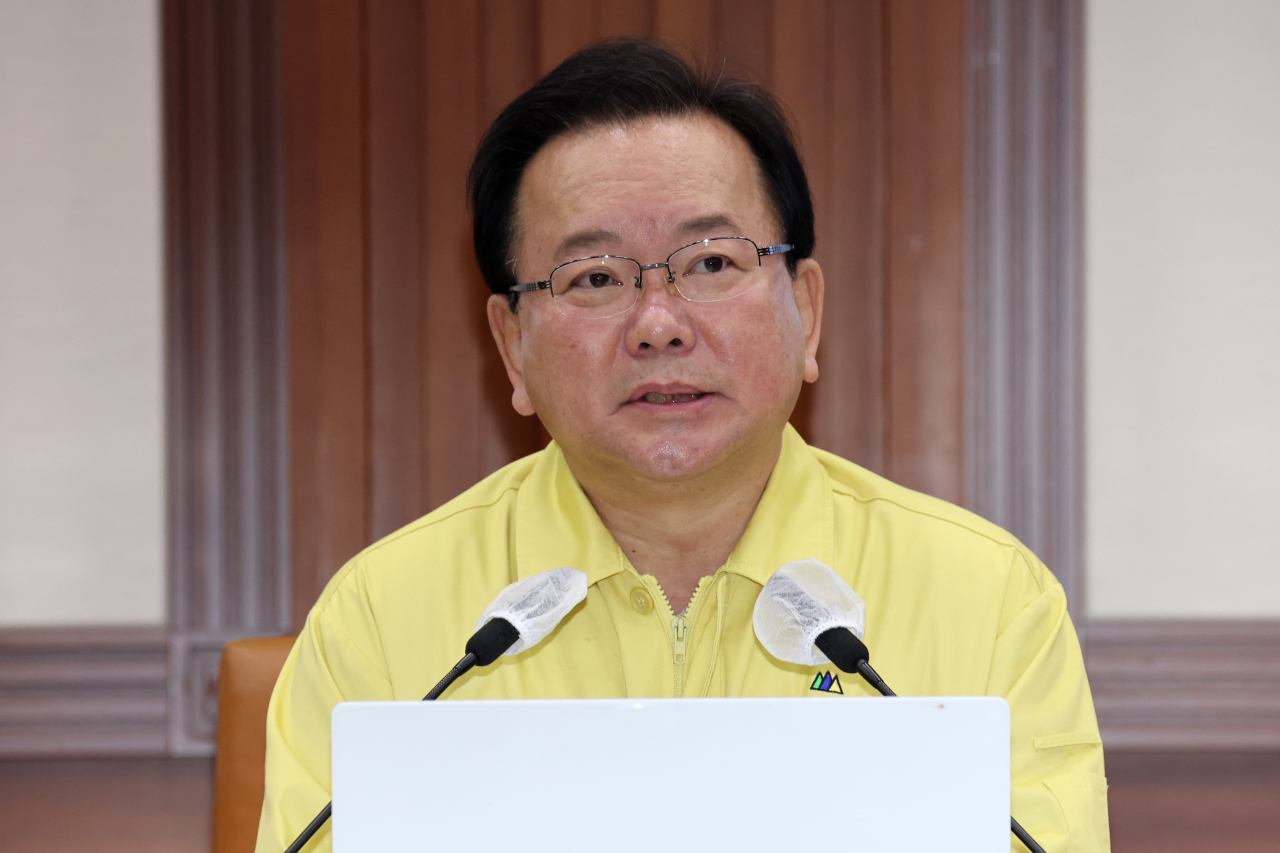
<point>674,481</point>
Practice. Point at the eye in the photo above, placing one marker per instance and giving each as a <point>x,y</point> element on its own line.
<point>595,279</point>
<point>710,264</point>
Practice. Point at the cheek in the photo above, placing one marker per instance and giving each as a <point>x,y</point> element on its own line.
<point>764,347</point>
<point>562,366</point>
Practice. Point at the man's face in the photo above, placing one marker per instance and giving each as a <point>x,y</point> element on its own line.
<point>671,389</point>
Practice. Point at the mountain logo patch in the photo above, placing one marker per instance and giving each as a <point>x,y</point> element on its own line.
<point>827,683</point>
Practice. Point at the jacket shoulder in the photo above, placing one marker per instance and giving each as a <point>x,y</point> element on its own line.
<point>468,518</point>
<point>939,520</point>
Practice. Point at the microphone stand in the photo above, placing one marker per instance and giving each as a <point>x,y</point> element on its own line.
<point>484,647</point>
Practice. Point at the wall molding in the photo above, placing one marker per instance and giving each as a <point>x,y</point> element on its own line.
<point>74,692</point>
<point>1024,292</point>
<point>1186,684</point>
<point>1182,684</point>
<point>226,383</point>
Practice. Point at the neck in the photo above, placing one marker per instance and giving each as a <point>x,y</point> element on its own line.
<point>681,531</point>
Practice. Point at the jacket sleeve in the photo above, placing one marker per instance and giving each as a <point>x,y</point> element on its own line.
<point>1059,788</point>
<point>336,658</point>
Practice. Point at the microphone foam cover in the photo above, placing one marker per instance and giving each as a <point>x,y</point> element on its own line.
<point>535,605</point>
<point>492,641</point>
<point>803,599</point>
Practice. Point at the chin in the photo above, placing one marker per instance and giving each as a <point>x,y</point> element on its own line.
<point>676,459</point>
<point>672,460</point>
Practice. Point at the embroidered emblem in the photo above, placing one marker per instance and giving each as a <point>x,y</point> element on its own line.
<point>827,683</point>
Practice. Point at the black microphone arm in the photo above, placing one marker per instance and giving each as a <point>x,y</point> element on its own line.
<point>850,655</point>
<point>484,647</point>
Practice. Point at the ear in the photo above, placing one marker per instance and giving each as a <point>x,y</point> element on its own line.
<point>807,287</point>
<point>505,326</point>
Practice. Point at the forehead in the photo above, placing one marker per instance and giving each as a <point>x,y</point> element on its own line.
<point>643,183</point>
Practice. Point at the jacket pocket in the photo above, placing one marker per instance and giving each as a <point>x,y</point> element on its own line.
<point>1083,800</point>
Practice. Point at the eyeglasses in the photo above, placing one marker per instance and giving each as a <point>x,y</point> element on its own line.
<point>607,285</point>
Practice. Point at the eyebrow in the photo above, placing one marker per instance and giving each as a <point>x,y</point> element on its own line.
<point>701,224</point>
<point>586,240</point>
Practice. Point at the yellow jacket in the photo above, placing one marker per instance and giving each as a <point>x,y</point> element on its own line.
<point>955,606</point>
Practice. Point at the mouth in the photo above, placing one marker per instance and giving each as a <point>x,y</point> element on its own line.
<point>655,397</point>
<point>678,395</point>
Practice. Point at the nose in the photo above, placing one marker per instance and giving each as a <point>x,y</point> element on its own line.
<point>660,321</point>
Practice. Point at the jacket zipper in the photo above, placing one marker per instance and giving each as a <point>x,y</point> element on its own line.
<point>679,638</point>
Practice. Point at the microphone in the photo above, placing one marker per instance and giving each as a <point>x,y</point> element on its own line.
<point>806,614</point>
<point>520,617</point>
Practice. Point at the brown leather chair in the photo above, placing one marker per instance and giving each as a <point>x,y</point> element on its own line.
<point>248,672</point>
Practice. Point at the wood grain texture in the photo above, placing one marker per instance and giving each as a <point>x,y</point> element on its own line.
<point>801,81</point>
<point>325,108</point>
<point>627,18</point>
<point>849,403</point>
<point>455,333</point>
<point>139,805</point>
<point>925,245</point>
<point>744,39</point>
<point>1192,802</point>
<point>394,209</point>
<point>83,691</point>
<point>563,26</point>
<point>1024,431</point>
<point>1186,684</point>
<point>687,25</point>
<point>226,369</point>
<point>510,66</point>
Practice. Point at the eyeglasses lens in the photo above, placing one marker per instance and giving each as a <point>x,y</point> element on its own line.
<point>596,287</point>
<point>715,269</point>
<point>709,271</point>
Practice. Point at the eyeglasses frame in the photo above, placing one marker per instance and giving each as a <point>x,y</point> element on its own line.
<point>529,287</point>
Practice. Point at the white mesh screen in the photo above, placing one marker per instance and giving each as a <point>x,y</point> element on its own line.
<point>535,605</point>
<point>801,600</point>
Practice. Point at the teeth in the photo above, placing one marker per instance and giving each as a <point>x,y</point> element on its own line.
<point>654,397</point>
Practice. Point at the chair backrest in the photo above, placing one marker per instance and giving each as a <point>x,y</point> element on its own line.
<point>248,672</point>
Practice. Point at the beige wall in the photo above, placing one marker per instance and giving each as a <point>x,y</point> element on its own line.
<point>81,452</point>
<point>1183,317</point>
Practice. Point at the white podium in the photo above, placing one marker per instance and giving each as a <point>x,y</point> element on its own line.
<point>819,773</point>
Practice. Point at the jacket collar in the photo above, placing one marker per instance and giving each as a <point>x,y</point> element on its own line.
<point>556,525</point>
<point>795,516</point>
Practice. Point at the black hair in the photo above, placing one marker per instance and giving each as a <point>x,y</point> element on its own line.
<point>621,80</point>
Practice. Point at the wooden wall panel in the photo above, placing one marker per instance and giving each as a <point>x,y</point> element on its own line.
<point>626,17</point>
<point>744,39</point>
<point>226,372</point>
<point>851,419</point>
<point>1186,684</point>
<point>510,56</point>
<point>396,264</point>
<point>1024,431</point>
<point>324,78</point>
<point>509,66</point>
<point>455,333</point>
<point>925,245</point>
<point>563,27</point>
<point>689,25</point>
<point>801,80</point>
<point>82,691</point>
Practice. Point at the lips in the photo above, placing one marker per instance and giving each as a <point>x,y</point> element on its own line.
<point>667,393</point>
<point>655,397</point>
